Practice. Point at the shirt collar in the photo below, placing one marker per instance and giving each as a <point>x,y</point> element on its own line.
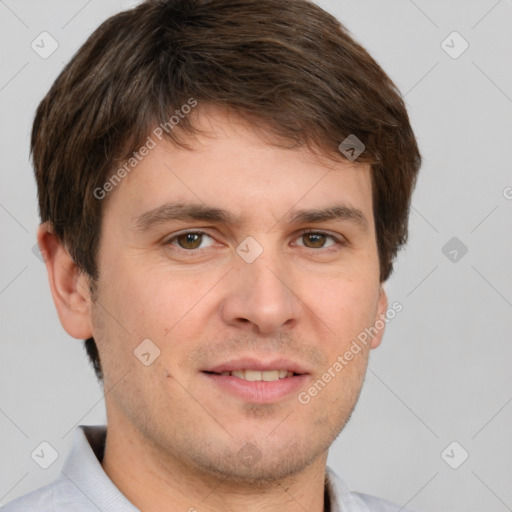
<point>83,469</point>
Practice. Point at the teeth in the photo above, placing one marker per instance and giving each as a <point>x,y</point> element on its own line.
<point>270,375</point>
<point>254,375</point>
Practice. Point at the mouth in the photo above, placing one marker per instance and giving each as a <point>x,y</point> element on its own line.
<point>256,376</point>
<point>258,381</point>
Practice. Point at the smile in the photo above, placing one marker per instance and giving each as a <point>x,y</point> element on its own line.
<point>254,375</point>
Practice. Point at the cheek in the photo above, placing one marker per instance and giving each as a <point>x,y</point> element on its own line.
<point>154,303</point>
<point>347,306</point>
<point>135,293</point>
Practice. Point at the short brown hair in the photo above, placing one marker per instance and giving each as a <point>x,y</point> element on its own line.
<point>287,64</point>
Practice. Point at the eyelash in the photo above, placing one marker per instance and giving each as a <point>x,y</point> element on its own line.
<point>339,241</point>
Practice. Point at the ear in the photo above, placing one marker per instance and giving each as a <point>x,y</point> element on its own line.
<point>382,307</point>
<point>69,287</point>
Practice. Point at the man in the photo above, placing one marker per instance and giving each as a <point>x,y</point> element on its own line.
<point>223,187</point>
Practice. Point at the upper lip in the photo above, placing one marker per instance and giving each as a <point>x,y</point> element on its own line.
<point>258,364</point>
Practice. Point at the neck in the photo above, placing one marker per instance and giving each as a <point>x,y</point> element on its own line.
<point>153,482</point>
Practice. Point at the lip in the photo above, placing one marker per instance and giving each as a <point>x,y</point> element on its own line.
<point>258,364</point>
<point>261,392</point>
<point>258,391</point>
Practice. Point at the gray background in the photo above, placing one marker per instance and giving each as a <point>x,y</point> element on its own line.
<point>443,372</point>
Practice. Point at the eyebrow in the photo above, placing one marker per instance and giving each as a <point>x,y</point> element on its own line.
<point>201,212</point>
<point>335,212</point>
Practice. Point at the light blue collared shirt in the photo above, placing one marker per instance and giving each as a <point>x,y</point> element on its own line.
<point>83,486</point>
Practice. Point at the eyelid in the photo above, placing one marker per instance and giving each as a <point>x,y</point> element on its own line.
<point>174,236</point>
<point>339,239</point>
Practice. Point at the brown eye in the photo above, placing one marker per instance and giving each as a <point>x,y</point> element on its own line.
<point>319,240</point>
<point>189,240</point>
<point>314,240</point>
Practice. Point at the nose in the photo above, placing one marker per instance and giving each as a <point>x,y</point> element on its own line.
<point>261,297</point>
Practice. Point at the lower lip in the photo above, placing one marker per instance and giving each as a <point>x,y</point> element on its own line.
<point>259,391</point>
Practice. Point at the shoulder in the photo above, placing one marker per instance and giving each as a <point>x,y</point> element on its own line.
<point>40,500</point>
<point>342,499</point>
<point>59,496</point>
<point>374,504</point>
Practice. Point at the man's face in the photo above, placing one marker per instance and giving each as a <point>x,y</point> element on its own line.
<point>212,303</point>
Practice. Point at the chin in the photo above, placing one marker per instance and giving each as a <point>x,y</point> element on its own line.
<point>258,465</point>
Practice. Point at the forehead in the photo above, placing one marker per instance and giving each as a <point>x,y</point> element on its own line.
<point>232,168</point>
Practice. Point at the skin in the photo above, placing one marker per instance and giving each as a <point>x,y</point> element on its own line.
<point>173,437</point>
